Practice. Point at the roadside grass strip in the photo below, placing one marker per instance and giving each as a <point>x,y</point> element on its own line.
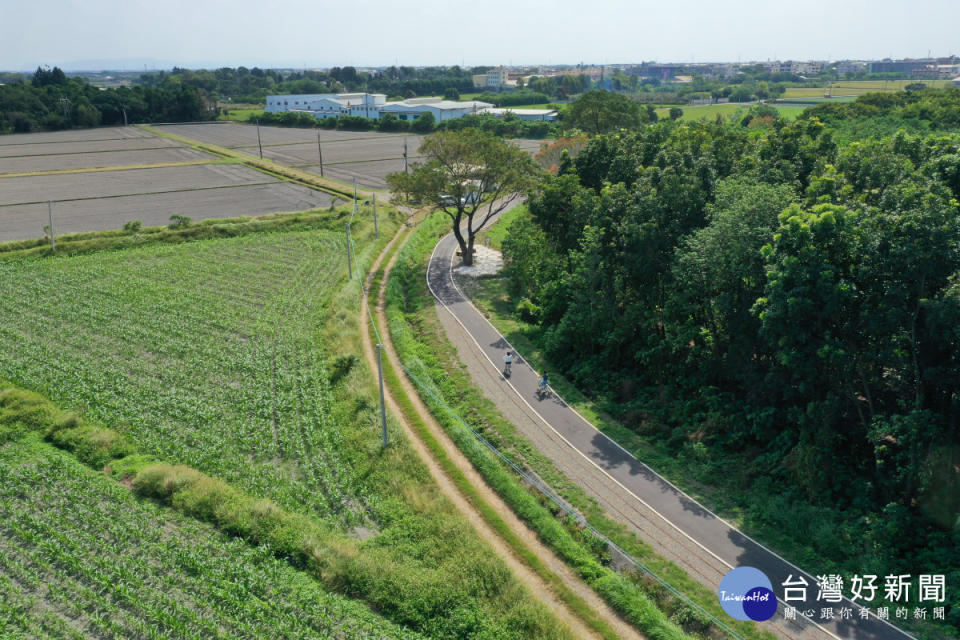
<point>537,506</point>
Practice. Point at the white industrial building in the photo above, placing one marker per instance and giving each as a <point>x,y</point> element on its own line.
<point>549,115</point>
<point>326,105</point>
<point>441,109</point>
<point>372,105</point>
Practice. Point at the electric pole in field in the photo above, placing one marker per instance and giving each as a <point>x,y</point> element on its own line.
<point>349,261</point>
<point>53,241</point>
<point>383,405</point>
<point>258,140</point>
<point>405,169</point>
<point>320,151</point>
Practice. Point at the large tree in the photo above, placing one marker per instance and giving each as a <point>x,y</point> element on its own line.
<point>471,176</point>
<point>601,111</point>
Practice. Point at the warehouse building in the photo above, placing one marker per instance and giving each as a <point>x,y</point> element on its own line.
<point>372,105</point>
<point>549,115</point>
<point>441,109</point>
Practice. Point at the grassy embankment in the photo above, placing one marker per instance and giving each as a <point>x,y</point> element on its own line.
<point>420,343</point>
<point>227,371</point>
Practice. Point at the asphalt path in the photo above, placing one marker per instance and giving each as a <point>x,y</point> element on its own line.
<point>676,525</point>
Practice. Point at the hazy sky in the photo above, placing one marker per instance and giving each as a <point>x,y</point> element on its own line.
<point>322,33</point>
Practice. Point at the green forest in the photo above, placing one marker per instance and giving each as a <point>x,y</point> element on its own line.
<point>776,306</point>
<point>51,100</point>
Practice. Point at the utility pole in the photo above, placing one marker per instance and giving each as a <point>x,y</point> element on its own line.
<point>405,169</point>
<point>124,115</point>
<point>376,224</point>
<point>383,405</point>
<point>349,261</point>
<point>320,151</point>
<point>65,103</point>
<point>53,242</point>
<point>258,140</point>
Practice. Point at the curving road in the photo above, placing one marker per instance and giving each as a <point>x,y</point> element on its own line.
<point>673,523</point>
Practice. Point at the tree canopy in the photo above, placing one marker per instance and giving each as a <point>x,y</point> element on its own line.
<point>470,175</point>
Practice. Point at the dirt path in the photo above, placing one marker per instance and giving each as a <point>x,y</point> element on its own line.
<point>540,588</point>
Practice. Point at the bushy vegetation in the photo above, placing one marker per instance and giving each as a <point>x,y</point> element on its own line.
<point>243,407</point>
<point>918,110</point>
<point>779,312</point>
<point>51,100</point>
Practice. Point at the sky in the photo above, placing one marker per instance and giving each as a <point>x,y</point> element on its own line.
<point>366,33</point>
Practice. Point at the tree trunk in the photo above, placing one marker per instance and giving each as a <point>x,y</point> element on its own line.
<point>465,254</point>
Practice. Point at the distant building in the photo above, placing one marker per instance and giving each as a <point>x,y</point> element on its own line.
<point>548,115</point>
<point>956,82</point>
<point>498,78</point>
<point>480,81</point>
<point>441,109</point>
<point>371,105</point>
<point>896,66</point>
<point>329,105</point>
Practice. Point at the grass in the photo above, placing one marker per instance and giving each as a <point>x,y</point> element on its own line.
<point>858,87</point>
<point>162,575</point>
<point>420,344</point>
<point>231,363</point>
<point>240,114</point>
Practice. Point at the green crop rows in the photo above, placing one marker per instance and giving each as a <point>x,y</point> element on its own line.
<point>81,557</point>
<point>207,354</point>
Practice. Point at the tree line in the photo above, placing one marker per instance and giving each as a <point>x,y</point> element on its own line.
<point>52,100</point>
<point>778,309</point>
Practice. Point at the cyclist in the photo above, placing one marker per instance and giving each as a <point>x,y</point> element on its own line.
<point>508,360</point>
<point>544,382</point>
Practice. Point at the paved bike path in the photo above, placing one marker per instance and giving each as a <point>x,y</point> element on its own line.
<point>690,519</point>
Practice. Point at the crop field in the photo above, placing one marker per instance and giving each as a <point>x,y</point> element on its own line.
<point>366,155</point>
<point>81,557</point>
<point>234,356</point>
<point>107,184</point>
<point>20,222</point>
<point>100,191</point>
<point>234,135</point>
<point>75,135</point>
<point>54,162</point>
<point>89,146</point>
<point>858,87</point>
<point>182,345</point>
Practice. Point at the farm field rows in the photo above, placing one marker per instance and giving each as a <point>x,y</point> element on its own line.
<point>182,345</point>
<point>115,175</point>
<point>53,162</point>
<point>74,135</point>
<point>20,222</point>
<point>105,184</point>
<point>81,557</point>
<point>89,146</point>
<point>367,155</point>
<point>858,87</point>
<point>236,357</point>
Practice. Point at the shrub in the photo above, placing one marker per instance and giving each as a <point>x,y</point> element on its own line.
<point>178,221</point>
<point>132,225</point>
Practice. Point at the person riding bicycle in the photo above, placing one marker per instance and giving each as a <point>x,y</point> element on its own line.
<point>544,382</point>
<point>508,360</point>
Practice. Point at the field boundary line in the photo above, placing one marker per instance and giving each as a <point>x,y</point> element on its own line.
<point>145,193</point>
<point>125,167</point>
